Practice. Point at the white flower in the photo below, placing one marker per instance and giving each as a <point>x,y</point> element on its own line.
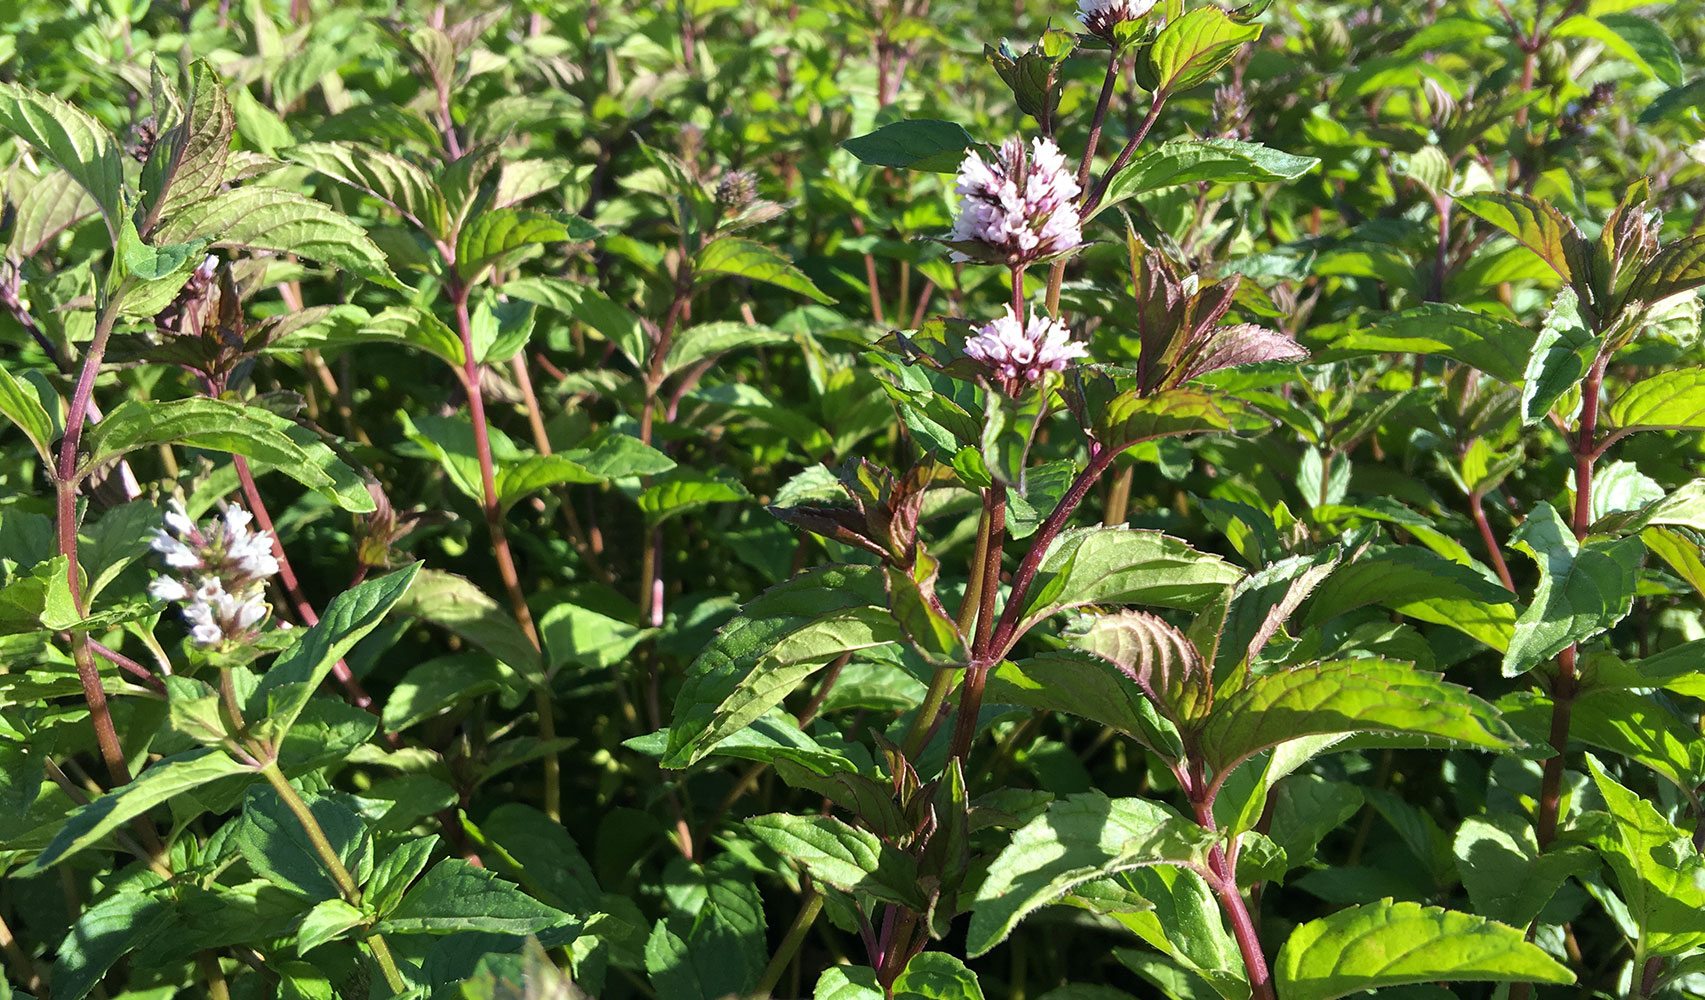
<point>1011,350</point>
<point>222,567</point>
<point>1021,207</point>
<point>1099,16</point>
<point>167,588</point>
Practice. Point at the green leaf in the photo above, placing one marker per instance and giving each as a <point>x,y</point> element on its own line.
<point>1643,730</point>
<point>1506,875</point>
<point>747,259</point>
<point>104,933</point>
<point>913,144</point>
<point>1495,346</point>
<point>159,782</point>
<point>712,944</point>
<point>610,320</point>
<point>1195,161</point>
<point>396,871</point>
<point>1583,590</point>
<point>1677,267</point>
<point>151,263</point>
<point>1535,225</point>
<point>936,975</point>
<point>329,920</point>
<point>285,689</point>
<point>1080,838</point>
<point>912,598</point>
<point>1634,37</point>
<point>618,456</point>
<point>682,490</point>
<point>1192,48</point>
<point>188,162</point>
<point>406,188</point>
<point>1392,944</point>
<point>456,896</point>
<point>22,405</point>
<point>1365,695</point>
<point>843,856</point>
<point>419,329</point>
<point>279,221</point>
<point>708,711</point>
<point>709,340</point>
<point>1423,585</point>
<point>73,140</point>
<point>451,602</point>
<point>1123,566</point>
<point>1658,871</point>
<point>1132,417</point>
<point>274,844</point>
<point>1672,400</point>
<point>1088,687</point>
<point>778,639</point>
<point>1562,353</point>
<point>588,638</point>
<point>494,234</point>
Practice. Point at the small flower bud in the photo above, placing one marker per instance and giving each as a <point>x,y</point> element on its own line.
<point>1102,16</point>
<point>1024,352</point>
<point>736,190</point>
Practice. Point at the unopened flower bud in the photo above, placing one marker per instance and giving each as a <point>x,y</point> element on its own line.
<point>1102,16</point>
<point>736,190</point>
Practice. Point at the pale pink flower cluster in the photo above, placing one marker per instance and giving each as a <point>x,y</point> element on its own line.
<point>1021,207</point>
<point>1012,350</point>
<point>219,573</point>
<point>1099,16</point>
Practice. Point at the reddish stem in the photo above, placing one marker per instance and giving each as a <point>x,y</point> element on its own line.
<point>1477,507</point>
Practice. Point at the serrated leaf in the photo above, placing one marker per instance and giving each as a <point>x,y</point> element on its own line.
<point>843,856</point>
<point>494,234</point>
<point>1192,48</point>
<point>1393,944</point>
<point>1561,354</point>
<point>1505,874</point>
<point>913,144</point>
<point>1634,37</point>
<point>159,782</point>
<point>73,140</point>
<point>1495,346</point>
<point>348,618</point>
<point>406,188</point>
<point>274,844</point>
<point>1583,590</point>
<point>105,932</point>
<point>278,221</point>
<point>1668,400</point>
<point>1194,161</point>
<point>454,603</point>
<point>754,261</point>
<point>1131,418</point>
<point>219,425</point>
<point>1088,687</point>
<point>745,670</point>
<point>20,404</point>
<point>456,896</point>
<point>1659,872</point>
<point>709,340</point>
<point>188,162</point>
<point>1365,695</point>
<point>1080,838</point>
<point>329,920</point>
<point>1123,566</point>
<point>1535,225</point>
<point>1423,585</point>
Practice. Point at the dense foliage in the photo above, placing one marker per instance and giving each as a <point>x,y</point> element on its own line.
<point>852,499</point>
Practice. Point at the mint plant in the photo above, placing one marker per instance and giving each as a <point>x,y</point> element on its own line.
<point>887,500</point>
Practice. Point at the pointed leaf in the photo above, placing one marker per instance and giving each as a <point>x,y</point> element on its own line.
<point>272,219</point>
<point>73,140</point>
<point>1583,589</point>
<point>913,144</point>
<point>1393,944</point>
<point>757,262</point>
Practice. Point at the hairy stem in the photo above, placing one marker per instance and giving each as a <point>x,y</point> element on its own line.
<point>1223,881</point>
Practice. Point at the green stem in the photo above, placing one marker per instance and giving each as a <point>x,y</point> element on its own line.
<point>789,947</point>
<point>335,867</point>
